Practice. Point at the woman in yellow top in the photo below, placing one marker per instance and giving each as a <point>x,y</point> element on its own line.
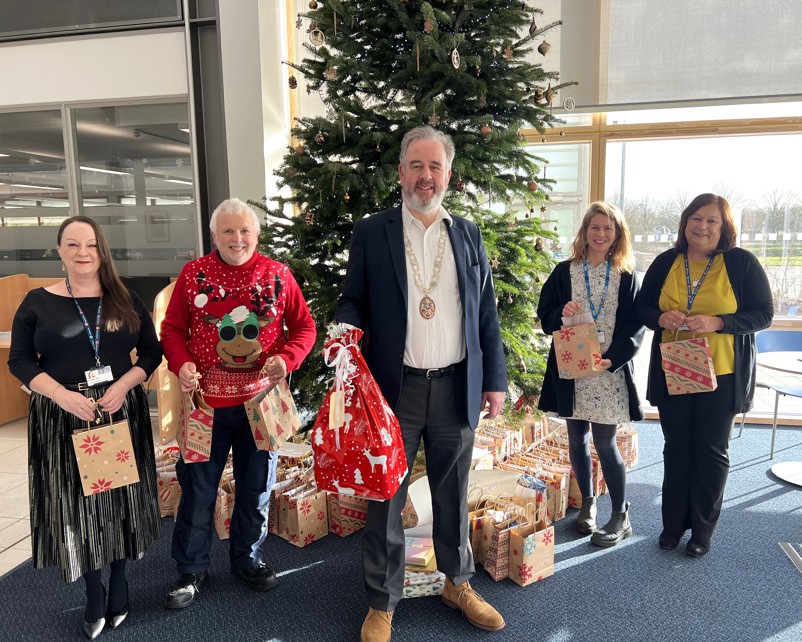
<point>704,287</point>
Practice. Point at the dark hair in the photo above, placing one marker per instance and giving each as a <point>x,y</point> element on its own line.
<point>729,234</point>
<point>118,307</point>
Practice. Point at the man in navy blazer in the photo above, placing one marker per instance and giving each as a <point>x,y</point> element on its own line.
<point>418,284</point>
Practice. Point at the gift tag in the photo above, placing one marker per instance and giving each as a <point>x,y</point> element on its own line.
<point>337,409</point>
<point>101,374</point>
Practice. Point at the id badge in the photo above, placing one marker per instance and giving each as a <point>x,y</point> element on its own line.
<point>601,335</point>
<point>101,374</point>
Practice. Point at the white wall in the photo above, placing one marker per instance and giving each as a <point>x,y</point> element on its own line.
<point>88,68</point>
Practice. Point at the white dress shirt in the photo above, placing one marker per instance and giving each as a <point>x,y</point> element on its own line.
<point>439,341</point>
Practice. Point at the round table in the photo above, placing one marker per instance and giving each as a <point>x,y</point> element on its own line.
<point>788,362</point>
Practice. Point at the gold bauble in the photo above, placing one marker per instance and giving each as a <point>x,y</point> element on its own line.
<point>532,186</point>
<point>543,48</point>
<point>485,131</point>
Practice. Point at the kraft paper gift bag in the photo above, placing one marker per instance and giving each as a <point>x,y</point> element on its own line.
<point>223,510</point>
<point>688,366</point>
<point>347,514</point>
<point>531,552</point>
<point>273,416</point>
<point>194,435</point>
<point>577,351</point>
<point>105,457</point>
<point>307,516</point>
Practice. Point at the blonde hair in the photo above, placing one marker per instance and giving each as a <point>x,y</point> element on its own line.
<point>620,252</point>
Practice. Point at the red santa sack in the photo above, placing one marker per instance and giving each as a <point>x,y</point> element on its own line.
<point>356,438</point>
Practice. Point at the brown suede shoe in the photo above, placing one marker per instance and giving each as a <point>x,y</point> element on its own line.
<point>473,607</point>
<point>377,626</point>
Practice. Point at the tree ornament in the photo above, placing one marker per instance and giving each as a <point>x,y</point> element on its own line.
<point>317,38</point>
<point>320,138</point>
<point>460,186</point>
<point>542,209</point>
<point>543,140</point>
<point>312,25</point>
<point>293,82</point>
<point>346,197</point>
<point>527,215</point>
<point>508,53</point>
<point>532,27</point>
<point>539,244</point>
<point>482,101</point>
<point>455,59</point>
<point>543,48</point>
<point>313,4</point>
<point>521,365</point>
<point>538,95</point>
<point>562,132</point>
<point>434,120</point>
<point>532,186</point>
<point>509,299</point>
<point>493,52</point>
<point>495,263</point>
<point>299,22</point>
<point>299,149</point>
<point>485,131</point>
<point>330,73</point>
<point>428,25</point>
<point>549,95</point>
<point>478,71</point>
<point>309,218</point>
<point>527,89</point>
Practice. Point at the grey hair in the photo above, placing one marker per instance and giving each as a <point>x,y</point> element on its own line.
<point>427,133</point>
<point>234,206</point>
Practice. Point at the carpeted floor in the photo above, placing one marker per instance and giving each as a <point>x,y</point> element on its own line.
<point>744,590</point>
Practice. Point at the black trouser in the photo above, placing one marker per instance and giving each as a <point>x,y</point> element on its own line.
<point>429,409</point>
<point>696,460</point>
<point>255,474</point>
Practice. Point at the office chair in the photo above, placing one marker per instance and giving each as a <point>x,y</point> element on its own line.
<point>777,341</point>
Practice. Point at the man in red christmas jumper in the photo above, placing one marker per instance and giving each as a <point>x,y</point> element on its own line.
<point>419,285</point>
<point>226,323</point>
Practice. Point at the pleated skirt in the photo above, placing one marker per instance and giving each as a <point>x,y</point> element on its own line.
<point>79,533</point>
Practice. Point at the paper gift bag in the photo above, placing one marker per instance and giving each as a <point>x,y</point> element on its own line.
<point>356,438</point>
<point>194,435</point>
<point>531,552</point>
<point>577,351</point>
<point>273,416</point>
<point>169,492</point>
<point>223,510</point>
<point>307,516</point>
<point>105,457</point>
<point>347,514</point>
<point>688,366</point>
<point>627,440</point>
<point>497,556</point>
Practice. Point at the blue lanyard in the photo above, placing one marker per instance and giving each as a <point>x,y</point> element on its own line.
<point>94,339</point>
<point>692,294</point>
<point>597,313</point>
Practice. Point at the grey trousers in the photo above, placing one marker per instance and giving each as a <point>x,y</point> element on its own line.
<point>432,410</point>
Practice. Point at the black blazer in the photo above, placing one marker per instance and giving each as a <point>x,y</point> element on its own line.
<point>558,394</point>
<point>374,299</point>
<point>755,312</point>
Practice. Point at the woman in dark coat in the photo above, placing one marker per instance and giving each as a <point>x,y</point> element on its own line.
<point>703,287</point>
<point>599,279</point>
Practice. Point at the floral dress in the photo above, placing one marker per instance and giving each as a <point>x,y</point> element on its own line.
<point>602,398</point>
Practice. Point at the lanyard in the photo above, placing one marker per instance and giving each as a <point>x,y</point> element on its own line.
<point>596,313</point>
<point>94,339</point>
<point>692,294</point>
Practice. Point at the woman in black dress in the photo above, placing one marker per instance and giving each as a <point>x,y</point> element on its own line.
<point>62,339</point>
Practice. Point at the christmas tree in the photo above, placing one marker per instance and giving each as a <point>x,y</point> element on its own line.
<point>463,66</point>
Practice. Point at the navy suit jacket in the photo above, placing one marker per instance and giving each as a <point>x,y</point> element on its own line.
<point>374,299</point>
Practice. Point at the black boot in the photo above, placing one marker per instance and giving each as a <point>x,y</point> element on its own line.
<point>586,520</point>
<point>615,530</point>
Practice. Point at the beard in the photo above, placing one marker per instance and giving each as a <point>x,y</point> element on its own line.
<point>423,205</point>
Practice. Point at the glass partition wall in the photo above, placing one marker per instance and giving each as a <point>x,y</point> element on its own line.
<point>129,167</point>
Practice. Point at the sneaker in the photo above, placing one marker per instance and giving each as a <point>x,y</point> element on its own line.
<point>185,589</point>
<point>258,578</point>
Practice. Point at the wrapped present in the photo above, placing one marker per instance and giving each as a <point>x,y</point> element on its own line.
<point>105,457</point>
<point>347,514</point>
<point>356,438</point>
<point>688,366</point>
<point>423,583</point>
<point>273,416</point>
<point>306,516</point>
<point>577,351</point>
<point>194,435</point>
<point>531,552</point>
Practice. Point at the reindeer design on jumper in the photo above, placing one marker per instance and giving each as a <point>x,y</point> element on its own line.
<point>376,460</point>
<point>239,350</point>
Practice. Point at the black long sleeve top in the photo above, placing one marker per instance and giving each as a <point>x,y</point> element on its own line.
<point>48,336</point>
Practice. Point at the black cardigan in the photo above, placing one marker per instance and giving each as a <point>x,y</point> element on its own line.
<point>557,394</point>
<point>754,312</point>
